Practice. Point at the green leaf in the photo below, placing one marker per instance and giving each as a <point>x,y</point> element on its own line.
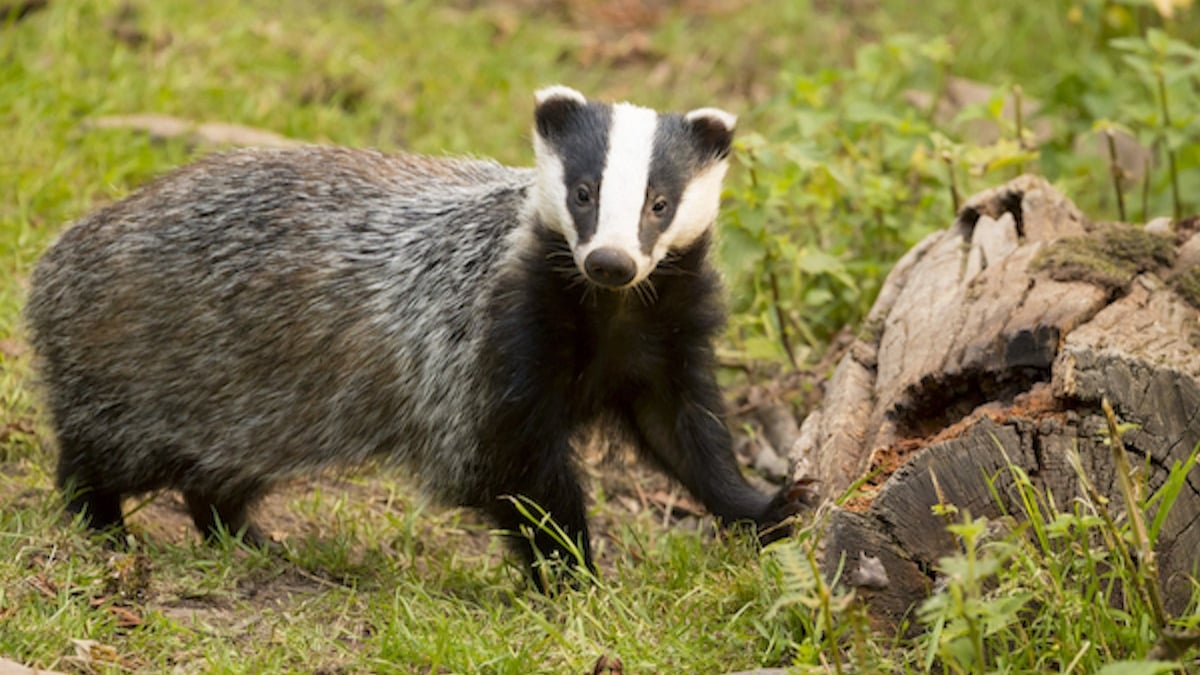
<point>1145,69</point>
<point>760,347</point>
<point>938,50</point>
<point>741,251</point>
<point>1005,611</point>
<point>817,262</point>
<point>787,249</point>
<point>1167,494</point>
<point>1157,40</point>
<point>1139,667</point>
<point>1102,125</point>
<point>1132,45</point>
<point>749,141</point>
<point>818,297</point>
<point>1183,50</point>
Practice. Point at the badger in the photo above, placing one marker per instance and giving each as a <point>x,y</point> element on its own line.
<point>267,313</point>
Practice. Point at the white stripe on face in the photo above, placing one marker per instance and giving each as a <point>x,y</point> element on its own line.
<point>697,211</point>
<point>623,186</point>
<point>550,191</point>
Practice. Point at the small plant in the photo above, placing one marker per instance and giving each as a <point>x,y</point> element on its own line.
<point>964,618</point>
<point>846,173</point>
<point>1168,70</point>
<point>1066,590</point>
<point>850,178</point>
<point>1050,590</point>
<point>827,623</point>
<point>551,572</point>
<point>816,219</point>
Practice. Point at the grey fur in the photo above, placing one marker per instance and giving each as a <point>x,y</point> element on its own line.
<point>266,313</point>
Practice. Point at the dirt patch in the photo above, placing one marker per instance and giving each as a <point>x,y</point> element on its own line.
<point>192,613</point>
<point>884,462</point>
<point>1039,403</point>
<point>1036,404</point>
<point>631,489</point>
<point>163,517</point>
<point>614,17</point>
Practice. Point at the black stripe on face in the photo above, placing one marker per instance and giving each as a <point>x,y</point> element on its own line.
<point>578,133</point>
<point>673,162</point>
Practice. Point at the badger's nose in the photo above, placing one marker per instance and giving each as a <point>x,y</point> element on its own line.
<point>609,267</point>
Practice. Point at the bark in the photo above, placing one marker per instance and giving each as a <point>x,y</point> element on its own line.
<point>992,342</point>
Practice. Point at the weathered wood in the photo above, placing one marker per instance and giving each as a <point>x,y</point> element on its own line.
<point>851,540</point>
<point>994,341</point>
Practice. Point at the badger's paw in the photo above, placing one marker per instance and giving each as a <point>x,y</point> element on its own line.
<point>793,498</point>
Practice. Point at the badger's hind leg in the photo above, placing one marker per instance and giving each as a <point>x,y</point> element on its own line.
<point>99,509</point>
<point>84,489</point>
<point>228,509</point>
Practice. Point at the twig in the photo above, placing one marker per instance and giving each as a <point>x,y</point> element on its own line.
<point>1115,169</point>
<point>1166,113</point>
<point>1145,188</point>
<point>953,181</point>
<point>1016,90</point>
<point>783,328</point>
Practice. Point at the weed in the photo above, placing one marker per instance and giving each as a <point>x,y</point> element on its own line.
<point>1057,590</point>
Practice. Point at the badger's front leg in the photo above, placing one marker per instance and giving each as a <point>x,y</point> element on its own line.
<point>679,425</point>
<point>533,493</point>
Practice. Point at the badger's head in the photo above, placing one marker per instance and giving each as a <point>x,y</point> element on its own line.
<point>626,186</point>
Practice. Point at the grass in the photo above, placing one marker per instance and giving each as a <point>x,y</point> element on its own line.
<point>360,590</point>
<point>1047,587</point>
<point>371,580</point>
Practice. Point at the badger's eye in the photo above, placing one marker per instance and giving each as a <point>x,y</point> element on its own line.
<point>583,194</point>
<point>659,207</point>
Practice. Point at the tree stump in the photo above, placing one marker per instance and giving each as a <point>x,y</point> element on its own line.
<point>994,341</point>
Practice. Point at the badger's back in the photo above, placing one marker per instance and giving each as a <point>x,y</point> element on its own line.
<point>262,313</point>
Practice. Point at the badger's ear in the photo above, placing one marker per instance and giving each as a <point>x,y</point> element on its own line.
<point>712,130</point>
<point>556,106</point>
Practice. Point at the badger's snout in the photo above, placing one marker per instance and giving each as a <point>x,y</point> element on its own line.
<point>610,267</point>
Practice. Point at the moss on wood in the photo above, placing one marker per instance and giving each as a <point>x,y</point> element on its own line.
<point>1109,257</point>
<point>1187,285</point>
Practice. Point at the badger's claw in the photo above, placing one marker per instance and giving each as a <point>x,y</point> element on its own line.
<point>791,499</point>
